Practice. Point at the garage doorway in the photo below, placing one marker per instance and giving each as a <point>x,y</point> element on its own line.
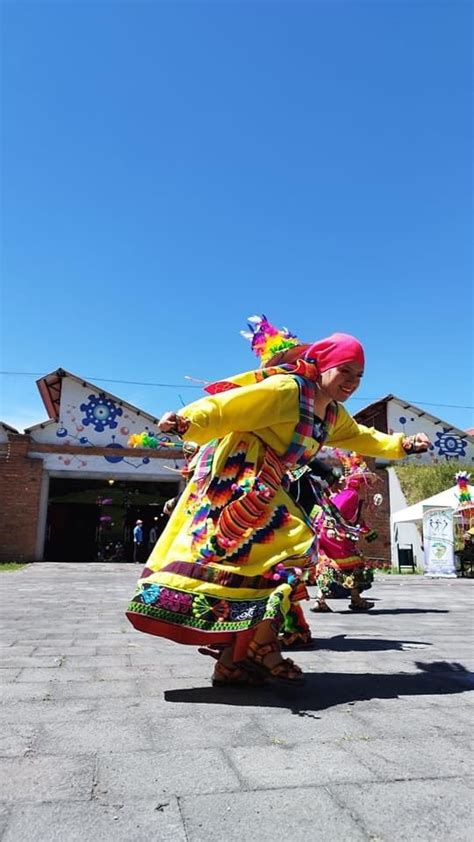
<point>93,520</point>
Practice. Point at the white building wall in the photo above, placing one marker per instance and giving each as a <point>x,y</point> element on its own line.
<point>91,418</point>
<point>5,430</point>
<point>449,443</point>
<point>402,533</point>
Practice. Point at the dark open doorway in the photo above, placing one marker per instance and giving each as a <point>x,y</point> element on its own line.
<point>93,520</point>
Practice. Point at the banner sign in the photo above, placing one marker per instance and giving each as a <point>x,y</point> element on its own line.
<point>438,541</point>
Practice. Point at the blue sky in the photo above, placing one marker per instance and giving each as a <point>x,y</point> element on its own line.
<point>171,168</point>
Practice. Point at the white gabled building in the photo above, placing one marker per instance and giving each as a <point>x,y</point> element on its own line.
<point>72,479</point>
<point>392,414</point>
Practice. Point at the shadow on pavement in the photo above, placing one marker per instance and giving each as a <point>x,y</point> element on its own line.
<point>398,611</point>
<point>325,690</point>
<point>342,643</point>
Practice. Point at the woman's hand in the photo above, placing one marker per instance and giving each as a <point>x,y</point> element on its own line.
<point>171,422</point>
<point>419,443</point>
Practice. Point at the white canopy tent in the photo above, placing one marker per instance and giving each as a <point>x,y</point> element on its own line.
<point>406,523</point>
<point>448,498</point>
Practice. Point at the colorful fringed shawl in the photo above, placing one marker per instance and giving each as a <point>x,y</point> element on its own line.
<point>235,509</point>
<point>229,555</point>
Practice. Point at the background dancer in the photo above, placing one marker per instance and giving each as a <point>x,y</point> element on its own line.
<point>310,487</point>
<point>341,564</point>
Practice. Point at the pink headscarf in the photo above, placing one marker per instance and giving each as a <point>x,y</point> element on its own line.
<point>337,349</point>
<point>305,360</point>
<point>355,480</point>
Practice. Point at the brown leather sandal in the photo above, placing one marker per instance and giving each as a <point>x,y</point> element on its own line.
<point>284,672</point>
<point>290,639</point>
<point>227,676</point>
<point>211,651</point>
<point>321,607</point>
<point>362,605</point>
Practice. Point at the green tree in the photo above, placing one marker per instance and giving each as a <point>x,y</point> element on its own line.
<point>421,481</point>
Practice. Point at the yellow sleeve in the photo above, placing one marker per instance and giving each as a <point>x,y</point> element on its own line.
<point>244,409</point>
<point>365,440</point>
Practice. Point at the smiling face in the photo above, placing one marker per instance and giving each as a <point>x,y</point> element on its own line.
<point>340,382</point>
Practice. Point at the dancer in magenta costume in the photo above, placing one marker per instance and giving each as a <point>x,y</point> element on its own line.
<point>341,563</point>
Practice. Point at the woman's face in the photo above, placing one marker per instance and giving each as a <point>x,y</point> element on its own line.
<point>340,382</point>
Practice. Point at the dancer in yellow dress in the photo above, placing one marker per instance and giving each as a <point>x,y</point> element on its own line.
<point>223,570</point>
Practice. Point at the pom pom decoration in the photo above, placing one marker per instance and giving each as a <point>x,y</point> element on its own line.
<point>352,463</point>
<point>147,439</point>
<point>356,470</point>
<point>268,340</point>
<point>462,479</point>
<point>465,508</point>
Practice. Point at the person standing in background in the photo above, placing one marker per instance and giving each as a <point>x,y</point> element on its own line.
<point>137,542</point>
<point>152,537</point>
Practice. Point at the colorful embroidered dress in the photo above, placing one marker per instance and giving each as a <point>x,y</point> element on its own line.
<point>340,560</point>
<point>223,562</point>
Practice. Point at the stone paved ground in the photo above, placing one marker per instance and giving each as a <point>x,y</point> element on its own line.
<point>108,734</point>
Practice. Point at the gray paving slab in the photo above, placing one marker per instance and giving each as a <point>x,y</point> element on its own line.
<point>102,726</point>
<point>80,822</point>
<point>284,764</point>
<point>438,721</point>
<point>22,692</point>
<point>334,726</point>
<point>118,673</point>
<point>9,674</point>
<point>18,738</point>
<point>15,648</point>
<point>15,661</point>
<point>44,779</point>
<point>145,775</point>
<point>5,813</point>
<point>417,757</point>
<point>78,648</point>
<point>465,742</point>
<point>55,674</point>
<point>412,811</point>
<point>86,735</point>
<point>267,815</point>
<point>178,733</point>
<point>113,648</point>
<point>47,710</point>
<point>53,647</point>
<point>93,689</point>
<point>79,660</point>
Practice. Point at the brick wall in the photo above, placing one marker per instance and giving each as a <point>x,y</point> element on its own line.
<point>20,488</point>
<point>375,415</point>
<point>378,518</point>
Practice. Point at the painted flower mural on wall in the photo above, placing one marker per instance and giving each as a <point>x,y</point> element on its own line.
<point>449,444</point>
<point>101,412</point>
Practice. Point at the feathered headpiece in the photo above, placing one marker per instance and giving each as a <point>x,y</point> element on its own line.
<point>268,340</point>
<point>354,466</point>
<point>275,346</point>
<point>352,463</point>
